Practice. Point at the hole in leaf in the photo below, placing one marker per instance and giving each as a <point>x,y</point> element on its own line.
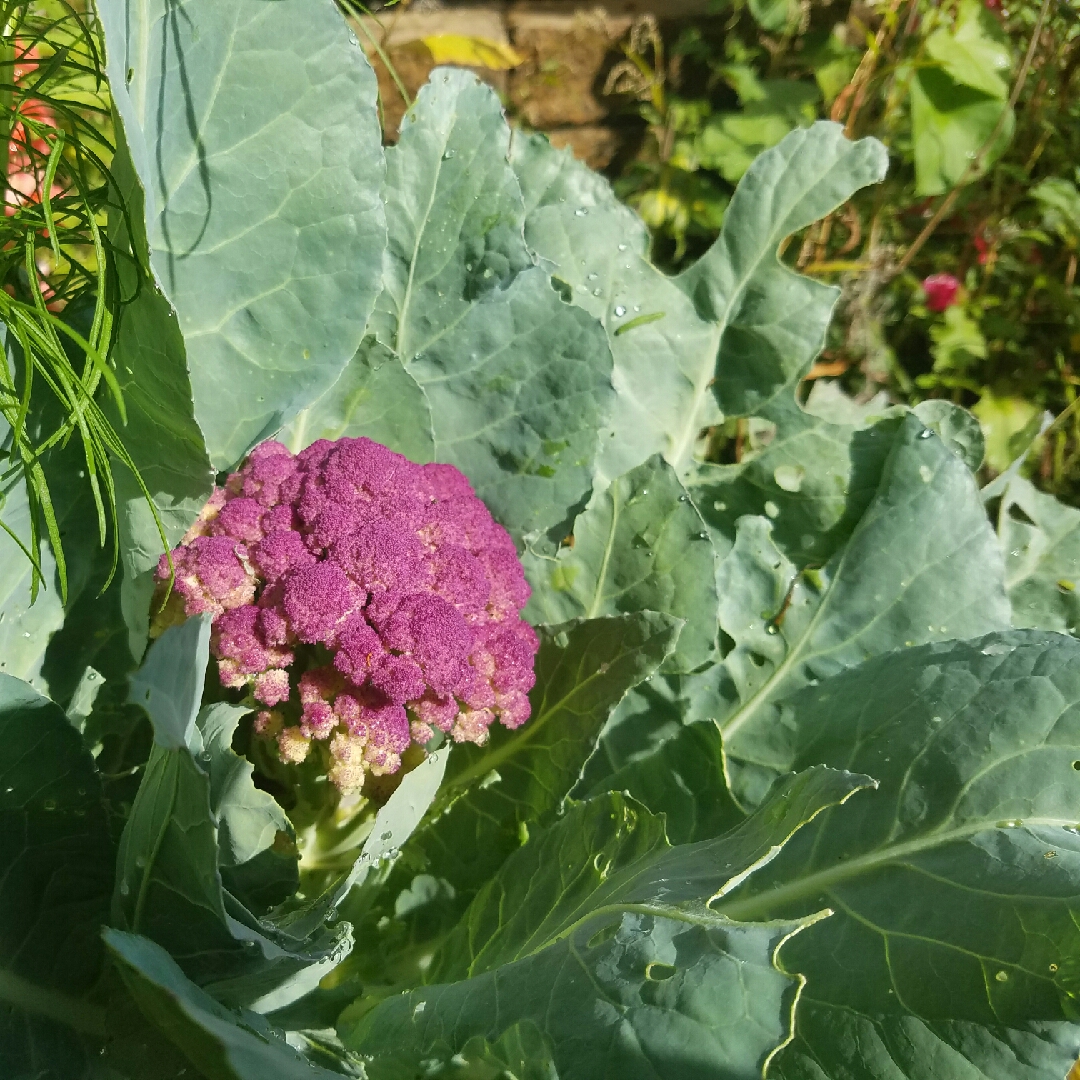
<point>659,972</point>
<point>1017,514</point>
<point>1076,765</point>
<point>727,643</point>
<point>757,659</point>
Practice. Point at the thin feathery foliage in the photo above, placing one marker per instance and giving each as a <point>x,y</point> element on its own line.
<point>54,255</point>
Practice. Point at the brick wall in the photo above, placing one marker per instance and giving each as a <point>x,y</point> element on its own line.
<point>568,47</point>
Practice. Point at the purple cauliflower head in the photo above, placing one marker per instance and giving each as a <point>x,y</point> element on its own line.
<point>365,601</point>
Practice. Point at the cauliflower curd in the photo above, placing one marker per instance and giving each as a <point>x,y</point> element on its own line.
<point>367,602</point>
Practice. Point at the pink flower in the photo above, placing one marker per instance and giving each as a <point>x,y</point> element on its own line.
<point>941,290</point>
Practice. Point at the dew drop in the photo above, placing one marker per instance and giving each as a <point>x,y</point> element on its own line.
<point>622,247</point>
<point>125,888</point>
<point>684,498</point>
<point>718,505</point>
<point>592,277</point>
<point>925,433</point>
<point>926,473</point>
<point>772,629</point>
<point>620,311</point>
<point>448,155</point>
<point>935,719</point>
<point>771,509</point>
<point>703,536</point>
<point>581,211</point>
<point>1001,976</point>
<point>420,1007</point>
<point>789,477</point>
<point>49,804</point>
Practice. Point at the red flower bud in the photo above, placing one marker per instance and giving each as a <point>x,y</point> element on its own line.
<point>941,290</point>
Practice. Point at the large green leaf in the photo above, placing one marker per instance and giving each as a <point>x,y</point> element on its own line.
<point>220,1044</point>
<point>376,398</point>
<point>160,432</point>
<point>518,381</point>
<point>197,824</point>
<point>520,778</point>
<point>835,1044</point>
<point>454,214</point>
<point>683,779</point>
<point>253,130</point>
<point>1040,537</point>
<point>728,335</point>
<point>601,935</point>
<point>55,879</point>
<point>640,545</point>
<point>955,886</point>
<point>923,564</point>
<point>494,796</point>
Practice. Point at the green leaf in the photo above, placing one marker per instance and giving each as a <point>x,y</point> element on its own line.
<point>813,480</point>
<point>956,427</point>
<point>950,124</point>
<point>601,935</point>
<point>521,1051</point>
<point>640,545</point>
<point>836,1044</point>
<point>198,824</point>
<point>958,342</point>
<point>729,142</point>
<point>976,52</point>
<point>169,685</point>
<point>167,881</point>
<point>453,211</point>
<point>955,885</point>
<point>521,777</point>
<point>922,564</point>
<point>161,434</point>
<point>738,329</point>
<point>217,1042</point>
<point>257,852</point>
<point>253,131</point>
<point>1060,202</point>
<point>26,627</point>
<point>55,878</point>
<point>651,714</point>
<point>376,398</point>
<point>1040,538</point>
<point>683,779</point>
<point>494,796</point>
<point>772,14</point>
<point>517,394</point>
<point>518,382</point>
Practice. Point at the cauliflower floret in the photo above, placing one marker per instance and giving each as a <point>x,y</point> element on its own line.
<point>369,601</point>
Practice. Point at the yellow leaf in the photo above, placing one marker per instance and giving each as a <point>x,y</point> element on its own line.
<point>472,52</point>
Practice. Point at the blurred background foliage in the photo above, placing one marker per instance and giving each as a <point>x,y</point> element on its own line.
<point>958,274</point>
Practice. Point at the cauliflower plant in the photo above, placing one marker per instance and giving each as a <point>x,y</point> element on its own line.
<point>366,601</point>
